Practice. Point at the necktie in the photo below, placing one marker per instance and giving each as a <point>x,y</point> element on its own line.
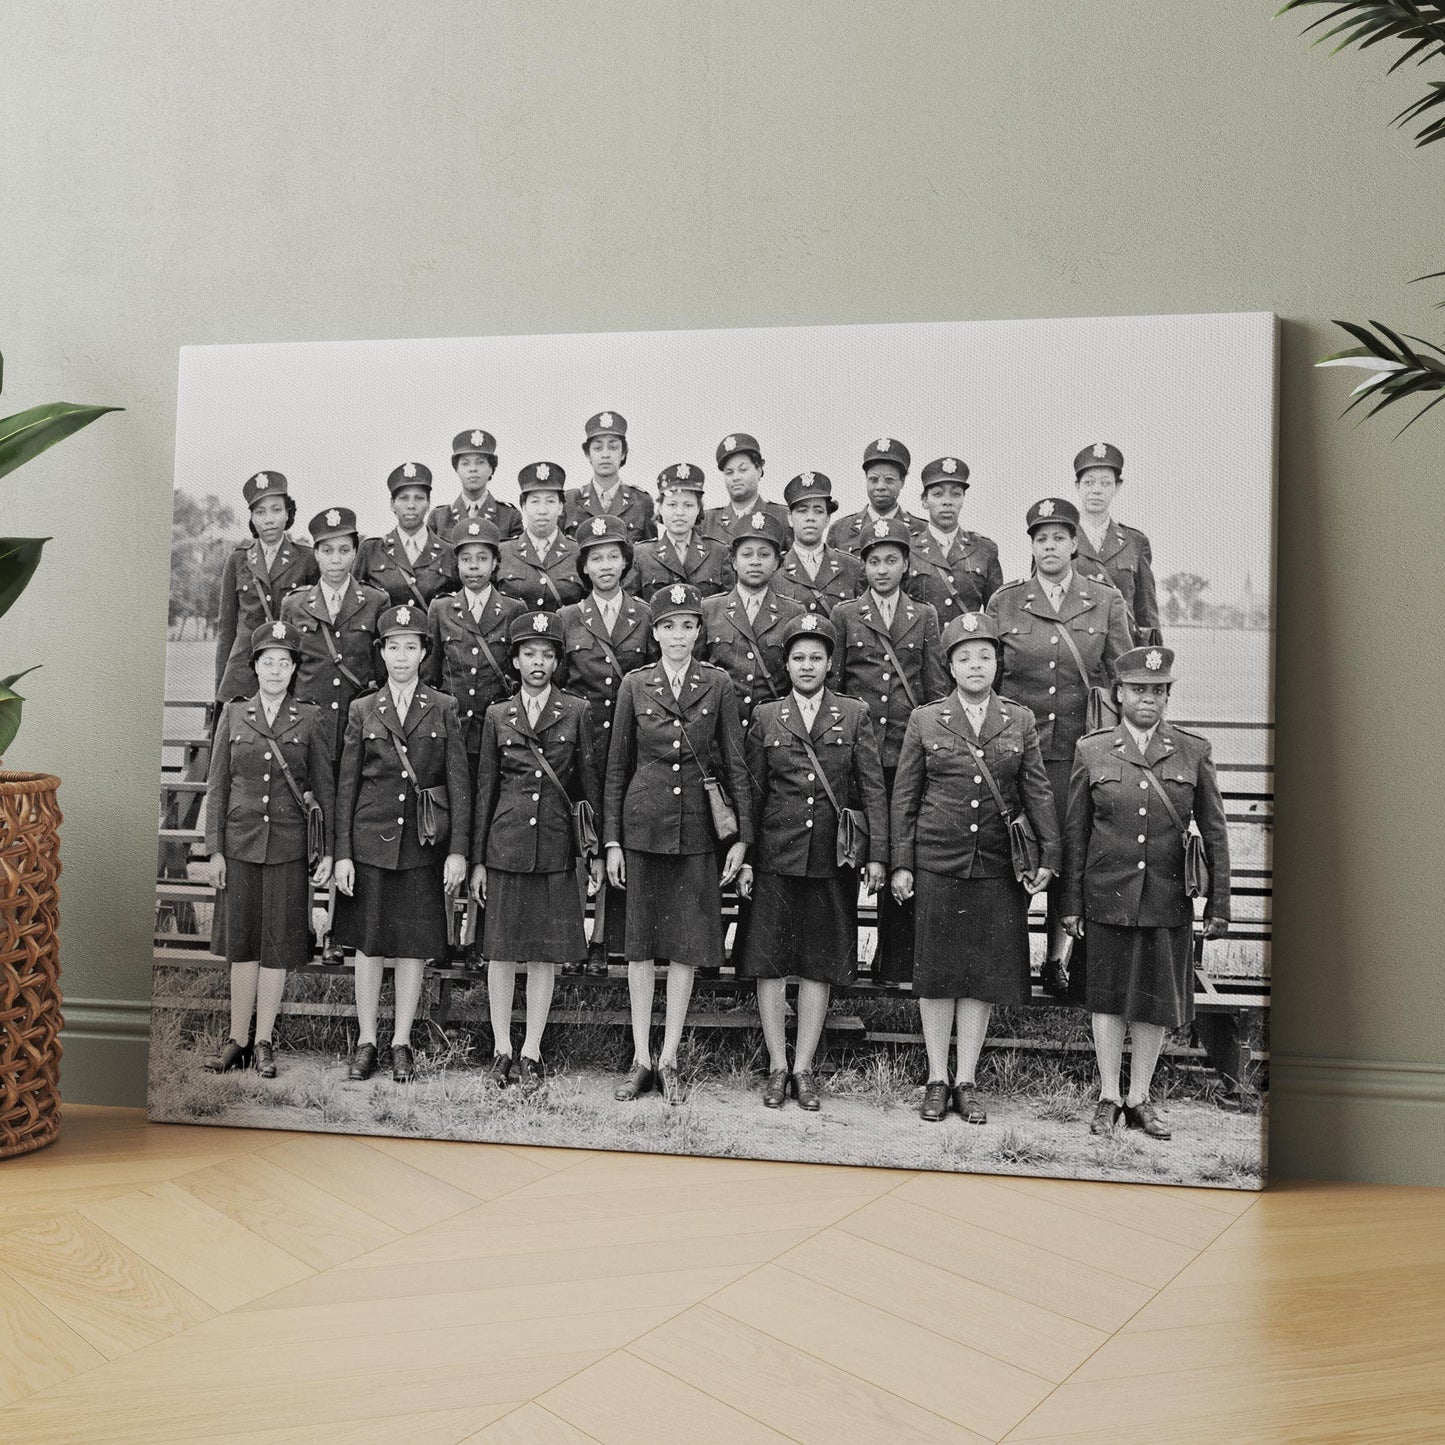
<point>477,612</point>
<point>750,606</point>
<point>1056,595</point>
<point>886,608</point>
<point>409,544</point>
<point>677,686</point>
<point>333,604</point>
<point>534,708</point>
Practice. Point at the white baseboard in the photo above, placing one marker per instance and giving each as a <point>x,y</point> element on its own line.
<point>104,1043</point>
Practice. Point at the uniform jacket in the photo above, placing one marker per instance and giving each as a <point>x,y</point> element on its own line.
<point>796,825</point>
<point>751,653</point>
<point>631,504</point>
<point>722,524</point>
<point>382,562</point>
<point>961,581</point>
<point>502,515</point>
<point>244,583</point>
<point>654,801</point>
<point>944,817</point>
<point>847,531</point>
<point>318,679</point>
<point>655,565</point>
<point>375,802</point>
<point>862,669</point>
<point>1124,858</point>
<point>1038,669</point>
<point>1126,562</point>
<point>840,579</point>
<point>521,575</point>
<point>588,671</point>
<point>251,814</point>
<point>522,823</point>
<point>457,663</point>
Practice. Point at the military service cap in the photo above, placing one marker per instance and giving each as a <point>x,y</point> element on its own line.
<point>809,487</point>
<point>945,469</point>
<point>1145,664</point>
<point>969,627</point>
<point>680,477</point>
<point>1101,454</point>
<point>275,634</point>
<point>809,624</point>
<point>263,485</point>
<point>606,424</point>
<point>401,621</point>
<point>735,442</point>
<point>678,600</point>
<point>475,530</point>
<point>885,530</point>
<point>541,477</point>
<point>333,522</point>
<point>476,441</point>
<point>1053,509</point>
<point>887,449</point>
<point>409,474</point>
<point>602,531</point>
<point>535,627</point>
<point>761,526</point>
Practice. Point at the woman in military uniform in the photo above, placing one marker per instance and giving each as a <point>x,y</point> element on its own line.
<point>536,763</point>
<point>680,553</point>
<point>819,576</point>
<point>954,570</point>
<point>809,754</point>
<point>269,764</point>
<point>888,658</point>
<point>969,764</point>
<point>474,460</point>
<point>1061,636</point>
<point>1108,550</point>
<point>403,826</point>
<point>539,568</point>
<point>606,494</point>
<point>675,719</point>
<point>1137,790</point>
<point>410,564</point>
<point>740,460</point>
<point>257,575</point>
<point>604,636</point>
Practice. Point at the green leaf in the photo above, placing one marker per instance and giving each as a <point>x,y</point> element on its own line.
<point>10,703</point>
<point>19,557</point>
<point>28,433</point>
<point>16,676</point>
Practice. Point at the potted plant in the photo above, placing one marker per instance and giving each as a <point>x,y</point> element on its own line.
<point>29,845</point>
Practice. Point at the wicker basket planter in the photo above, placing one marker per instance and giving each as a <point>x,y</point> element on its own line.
<point>29,962</point>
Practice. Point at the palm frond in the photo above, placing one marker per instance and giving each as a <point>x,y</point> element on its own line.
<point>1398,371</point>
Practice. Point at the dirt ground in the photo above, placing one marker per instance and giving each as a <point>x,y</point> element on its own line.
<point>1212,1146</point>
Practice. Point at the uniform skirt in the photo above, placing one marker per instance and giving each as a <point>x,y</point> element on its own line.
<point>394,913</point>
<point>533,918</point>
<point>263,914</point>
<point>674,908</point>
<point>801,928</point>
<point>971,939</point>
<point>1143,974</point>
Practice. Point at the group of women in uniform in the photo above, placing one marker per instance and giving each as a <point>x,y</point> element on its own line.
<point>764,696</point>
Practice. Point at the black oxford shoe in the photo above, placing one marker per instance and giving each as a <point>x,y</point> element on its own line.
<point>530,1072</point>
<point>363,1062</point>
<point>969,1105</point>
<point>265,1059</point>
<point>1106,1115</point>
<point>233,1056</point>
<point>935,1102</point>
<point>805,1088</point>
<point>502,1070</point>
<point>403,1066</point>
<point>775,1091</point>
<point>640,1079</point>
<point>1144,1116</point>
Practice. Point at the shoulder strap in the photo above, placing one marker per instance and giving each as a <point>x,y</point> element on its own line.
<point>264,596</point>
<point>1074,653</point>
<point>987,776</point>
<point>502,677</point>
<point>745,628</point>
<point>612,659</point>
<point>541,761</point>
<point>328,634</point>
<point>281,759</point>
<point>406,766</point>
<point>822,776</point>
<point>1164,798</point>
<point>887,642</point>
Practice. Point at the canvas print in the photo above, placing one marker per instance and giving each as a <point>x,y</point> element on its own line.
<point>842,744</point>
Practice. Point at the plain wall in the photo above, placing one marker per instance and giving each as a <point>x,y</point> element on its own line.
<point>181,173</point>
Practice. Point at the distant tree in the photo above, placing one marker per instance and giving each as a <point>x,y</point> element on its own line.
<point>1184,597</point>
<point>201,532</point>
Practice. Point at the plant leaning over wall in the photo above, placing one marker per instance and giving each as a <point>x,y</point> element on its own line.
<point>1401,365</point>
<point>22,438</point>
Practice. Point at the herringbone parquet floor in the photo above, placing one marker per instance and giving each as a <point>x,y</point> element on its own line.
<point>165,1283</point>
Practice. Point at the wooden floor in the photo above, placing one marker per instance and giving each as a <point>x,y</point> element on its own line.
<point>167,1283</point>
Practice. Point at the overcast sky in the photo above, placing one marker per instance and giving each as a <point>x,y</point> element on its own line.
<point>1188,399</point>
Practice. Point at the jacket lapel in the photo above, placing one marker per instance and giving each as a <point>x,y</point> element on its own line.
<point>553,713</point>
<point>287,720</point>
<point>517,718</point>
<point>660,689</point>
<point>905,617</point>
<point>423,708</point>
<point>1161,745</point>
<point>386,711</point>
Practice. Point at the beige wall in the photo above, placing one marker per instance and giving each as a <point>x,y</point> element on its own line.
<point>215,172</point>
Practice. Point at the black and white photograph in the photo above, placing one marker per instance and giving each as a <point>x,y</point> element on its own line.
<point>846,744</point>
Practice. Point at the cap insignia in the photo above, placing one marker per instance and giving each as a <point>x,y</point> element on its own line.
<point>403,615</point>
<point>678,595</point>
<point>333,518</point>
<point>1154,661</point>
<point>881,530</point>
<point>729,443</point>
<point>598,526</point>
<point>409,470</point>
<point>949,464</point>
<point>808,622</point>
<point>1100,450</point>
<point>1046,508</point>
<point>807,479</point>
<point>683,471</point>
<point>970,622</point>
<point>885,444</point>
<point>759,521</point>
<point>477,438</point>
<point>539,622</point>
<point>473,528</point>
<point>278,629</point>
<point>543,472</point>
<point>606,418</point>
